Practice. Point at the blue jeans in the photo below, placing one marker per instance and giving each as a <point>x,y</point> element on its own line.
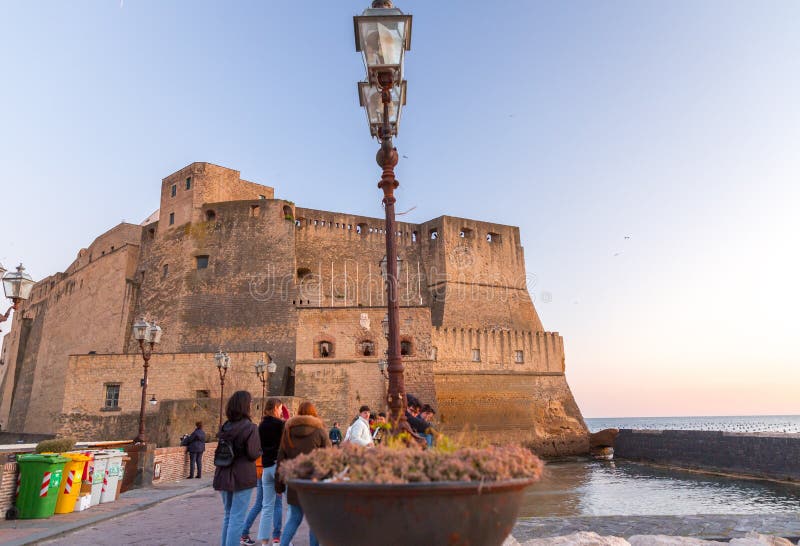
<point>195,461</point>
<point>277,517</point>
<point>235,504</point>
<point>292,523</point>
<point>268,505</point>
<point>254,511</point>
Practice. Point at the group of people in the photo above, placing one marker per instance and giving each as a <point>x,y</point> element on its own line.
<point>242,444</point>
<point>274,441</point>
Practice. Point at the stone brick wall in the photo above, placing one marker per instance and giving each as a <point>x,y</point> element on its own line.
<point>8,486</point>
<point>85,310</point>
<point>174,462</point>
<point>775,456</point>
<point>536,409</point>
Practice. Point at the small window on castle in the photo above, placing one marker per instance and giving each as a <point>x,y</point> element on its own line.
<point>202,262</point>
<point>325,349</point>
<point>476,355</point>
<point>434,353</point>
<point>112,396</point>
<point>173,190</point>
<point>211,216</point>
<point>405,348</point>
<point>465,233</point>
<point>361,228</point>
<point>202,394</point>
<point>519,357</point>
<point>150,232</point>
<point>287,213</point>
<point>262,196</point>
<point>493,237</point>
<point>434,234</point>
<point>413,236</point>
<point>302,273</point>
<point>254,210</point>
<point>298,222</point>
<point>189,183</point>
<point>171,218</point>
<point>112,249</point>
<point>367,348</point>
<point>165,270</point>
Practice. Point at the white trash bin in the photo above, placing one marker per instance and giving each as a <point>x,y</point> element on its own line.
<point>101,459</point>
<point>112,475</point>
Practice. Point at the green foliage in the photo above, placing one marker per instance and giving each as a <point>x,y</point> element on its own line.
<point>394,464</point>
<point>56,445</point>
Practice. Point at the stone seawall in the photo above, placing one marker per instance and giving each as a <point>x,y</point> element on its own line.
<point>773,456</point>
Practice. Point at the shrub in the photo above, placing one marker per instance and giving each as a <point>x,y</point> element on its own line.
<point>409,465</point>
<point>56,445</point>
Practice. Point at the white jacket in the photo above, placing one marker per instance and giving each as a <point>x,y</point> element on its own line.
<point>358,433</point>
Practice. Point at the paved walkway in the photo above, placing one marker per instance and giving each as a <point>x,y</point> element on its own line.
<point>190,513</point>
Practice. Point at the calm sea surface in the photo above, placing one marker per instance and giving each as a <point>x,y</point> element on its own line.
<point>583,487</point>
<point>789,424</point>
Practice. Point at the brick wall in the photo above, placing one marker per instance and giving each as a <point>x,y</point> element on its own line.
<point>8,486</point>
<point>174,462</point>
<point>775,456</point>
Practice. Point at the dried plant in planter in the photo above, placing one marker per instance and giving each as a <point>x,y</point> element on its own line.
<point>388,465</point>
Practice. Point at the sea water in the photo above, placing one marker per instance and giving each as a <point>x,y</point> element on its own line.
<point>585,487</point>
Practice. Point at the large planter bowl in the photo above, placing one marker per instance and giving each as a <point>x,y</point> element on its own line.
<point>413,514</point>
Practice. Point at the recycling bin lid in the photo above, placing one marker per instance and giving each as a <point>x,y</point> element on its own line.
<point>41,458</point>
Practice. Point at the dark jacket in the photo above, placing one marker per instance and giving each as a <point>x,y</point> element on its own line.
<point>196,442</point>
<point>270,430</point>
<point>335,435</point>
<point>243,435</point>
<point>302,434</point>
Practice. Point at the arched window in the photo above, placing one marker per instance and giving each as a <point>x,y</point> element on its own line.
<point>367,348</point>
<point>325,349</point>
<point>434,234</point>
<point>362,228</point>
<point>211,216</point>
<point>493,237</point>
<point>287,213</point>
<point>465,233</point>
<point>406,348</point>
<point>302,273</point>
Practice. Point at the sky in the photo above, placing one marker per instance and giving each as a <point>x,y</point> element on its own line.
<point>647,150</point>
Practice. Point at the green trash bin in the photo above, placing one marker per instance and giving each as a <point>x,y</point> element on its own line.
<point>40,478</point>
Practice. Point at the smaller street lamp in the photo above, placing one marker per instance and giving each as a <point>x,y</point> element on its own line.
<point>148,335</point>
<point>383,264</point>
<point>223,362</point>
<point>382,365</point>
<point>385,326</point>
<point>17,287</point>
<point>371,98</point>
<point>153,400</point>
<point>261,370</point>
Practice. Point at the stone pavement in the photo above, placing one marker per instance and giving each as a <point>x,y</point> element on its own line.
<point>190,513</point>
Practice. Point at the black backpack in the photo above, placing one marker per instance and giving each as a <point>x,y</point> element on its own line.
<point>224,454</point>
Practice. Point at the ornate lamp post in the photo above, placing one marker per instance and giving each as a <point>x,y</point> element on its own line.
<point>148,335</point>
<point>17,287</point>
<point>262,369</point>
<point>223,362</point>
<point>383,35</point>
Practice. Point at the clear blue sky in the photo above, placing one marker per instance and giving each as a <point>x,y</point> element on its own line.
<point>675,123</point>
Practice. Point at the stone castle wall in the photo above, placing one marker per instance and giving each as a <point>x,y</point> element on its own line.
<point>227,266</point>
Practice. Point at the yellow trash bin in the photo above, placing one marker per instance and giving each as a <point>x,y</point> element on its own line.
<point>70,482</point>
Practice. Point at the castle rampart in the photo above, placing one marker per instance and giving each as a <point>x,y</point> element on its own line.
<point>225,265</point>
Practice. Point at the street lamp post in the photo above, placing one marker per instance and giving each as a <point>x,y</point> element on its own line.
<point>17,287</point>
<point>148,335</point>
<point>223,362</point>
<point>383,34</point>
<point>264,371</point>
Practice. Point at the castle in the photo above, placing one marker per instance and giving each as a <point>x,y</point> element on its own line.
<point>225,265</point>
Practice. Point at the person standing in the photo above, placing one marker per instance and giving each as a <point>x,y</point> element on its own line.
<point>358,433</point>
<point>335,435</point>
<point>270,431</point>
<point>303,433</point>
<point>235,475</point>
<point>196,445</point>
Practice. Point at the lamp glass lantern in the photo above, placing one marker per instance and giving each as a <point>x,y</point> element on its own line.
<point>140,329</point>
<point>223,360</point>
<point>385,326</point>
<point>383,35</point>
<point>154,333</point>
<point>383,264</point>
<point>18,284</point>
<point>260,366</point>
<point>382,365</point>
<point>370,98</point>
<point>272,367</point>
<point>153,400</point>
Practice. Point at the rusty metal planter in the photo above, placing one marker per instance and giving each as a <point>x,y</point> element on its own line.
<point>446,513</point>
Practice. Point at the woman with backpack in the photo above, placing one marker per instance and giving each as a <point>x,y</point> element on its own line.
<point>303,433</point>
<point>238,447</point>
